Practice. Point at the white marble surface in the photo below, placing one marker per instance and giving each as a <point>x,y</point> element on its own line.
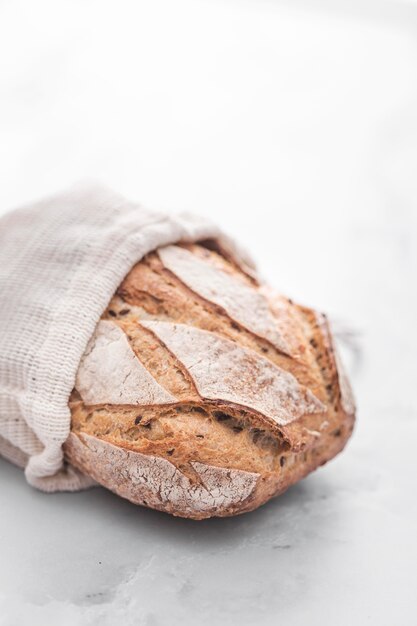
<point>294,125</point>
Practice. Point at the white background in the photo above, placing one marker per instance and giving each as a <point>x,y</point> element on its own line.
<point>293,125</point>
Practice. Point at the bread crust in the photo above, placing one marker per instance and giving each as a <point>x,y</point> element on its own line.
<point>218,411</point>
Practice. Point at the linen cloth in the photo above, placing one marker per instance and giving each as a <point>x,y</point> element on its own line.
<point>61,260</point>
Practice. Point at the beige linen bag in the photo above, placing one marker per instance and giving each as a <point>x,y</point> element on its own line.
<point>60,262</point>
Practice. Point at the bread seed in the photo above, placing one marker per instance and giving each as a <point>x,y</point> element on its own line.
<point>221,417</point>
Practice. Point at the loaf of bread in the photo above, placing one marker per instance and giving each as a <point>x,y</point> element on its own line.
<point>203,392</point>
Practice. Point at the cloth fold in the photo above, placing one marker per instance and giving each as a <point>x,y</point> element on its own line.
<point>61,260</point>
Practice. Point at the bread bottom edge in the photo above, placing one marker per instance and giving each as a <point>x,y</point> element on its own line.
<point>211,491</point>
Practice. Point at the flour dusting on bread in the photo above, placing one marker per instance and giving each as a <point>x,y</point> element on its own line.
<point>111,373</point>
<point>222,369</point>
<point>151,480</point>
<point>243,302</point>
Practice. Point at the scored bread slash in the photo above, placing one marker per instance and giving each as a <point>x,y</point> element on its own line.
<point>346,393</point>
<point>110,372</point>
<point>244,303</point>
<point>223,370</point>
<point>151,480</point>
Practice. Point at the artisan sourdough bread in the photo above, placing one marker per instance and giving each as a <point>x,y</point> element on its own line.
<point>204,393</point>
